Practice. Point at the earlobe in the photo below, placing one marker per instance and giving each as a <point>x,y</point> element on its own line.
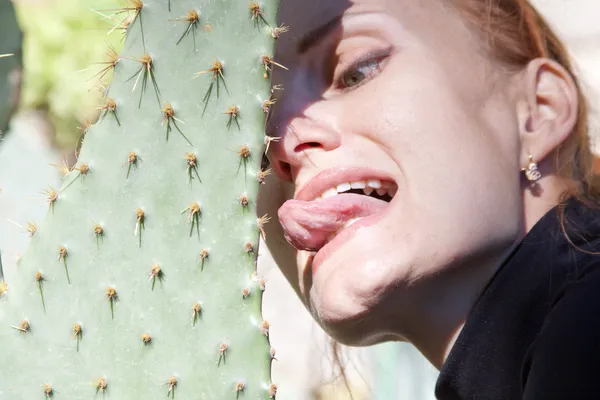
<point>548,108</point>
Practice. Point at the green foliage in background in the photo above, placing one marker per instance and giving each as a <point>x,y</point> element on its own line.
<point>63,40</point>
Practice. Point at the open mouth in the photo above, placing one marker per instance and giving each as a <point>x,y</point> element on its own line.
<point>376,188</point>
<point>383,191</point>
<point>325,207</point>
<point>387,197</point>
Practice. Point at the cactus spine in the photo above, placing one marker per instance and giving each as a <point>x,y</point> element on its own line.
<point>140,283</point>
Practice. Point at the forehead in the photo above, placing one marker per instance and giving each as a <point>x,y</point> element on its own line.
<point>419,17</point>
<point>303,16</point>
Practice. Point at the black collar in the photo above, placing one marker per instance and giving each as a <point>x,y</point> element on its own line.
<point>486,361</point>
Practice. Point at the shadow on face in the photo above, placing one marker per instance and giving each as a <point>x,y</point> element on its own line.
<point>308,51</point>
<point>399,92</point>
<point>314,26</point>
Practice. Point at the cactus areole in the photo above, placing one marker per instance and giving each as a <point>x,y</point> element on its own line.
<point>139,283</point>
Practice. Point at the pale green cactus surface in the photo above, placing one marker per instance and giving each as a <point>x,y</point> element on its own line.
<point>140,283</point>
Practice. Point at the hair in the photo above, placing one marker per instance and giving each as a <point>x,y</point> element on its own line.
<point>514,34</point>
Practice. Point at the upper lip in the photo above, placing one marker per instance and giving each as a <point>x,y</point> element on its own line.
<point>332,177</point>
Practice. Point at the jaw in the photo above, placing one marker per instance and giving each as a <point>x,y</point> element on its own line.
<point>334,247</point>
<point>353,318</point>
<point>350,290</point>
<point>349,324</point>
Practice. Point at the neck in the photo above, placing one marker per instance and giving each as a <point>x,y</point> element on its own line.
<point>447,298</point>
<point>446,301</point>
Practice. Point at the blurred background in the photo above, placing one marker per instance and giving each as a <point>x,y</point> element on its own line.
<point>64,45</point>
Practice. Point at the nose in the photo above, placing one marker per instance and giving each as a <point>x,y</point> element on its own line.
<point>306,124</point>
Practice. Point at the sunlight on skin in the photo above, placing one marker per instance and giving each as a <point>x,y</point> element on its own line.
<point>426,107</point>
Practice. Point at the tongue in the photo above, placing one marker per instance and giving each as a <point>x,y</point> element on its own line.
<point>307,224</point>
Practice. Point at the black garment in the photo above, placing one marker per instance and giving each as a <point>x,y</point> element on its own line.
<point>534,333</point>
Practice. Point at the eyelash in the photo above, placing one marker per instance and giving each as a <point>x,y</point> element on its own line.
<point>371,58</point>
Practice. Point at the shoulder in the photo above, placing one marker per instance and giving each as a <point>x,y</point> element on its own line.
<point>561,363</point>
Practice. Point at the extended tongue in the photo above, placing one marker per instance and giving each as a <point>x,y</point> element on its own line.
<point>309,224</point>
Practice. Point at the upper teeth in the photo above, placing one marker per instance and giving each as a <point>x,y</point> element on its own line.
<point>368,186</point>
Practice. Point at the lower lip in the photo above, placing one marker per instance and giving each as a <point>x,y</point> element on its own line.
<point>344,236</point>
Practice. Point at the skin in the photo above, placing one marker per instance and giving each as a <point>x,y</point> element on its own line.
<point>451,125</point>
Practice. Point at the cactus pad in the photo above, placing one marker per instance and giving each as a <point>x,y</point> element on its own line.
<point>140,283</point>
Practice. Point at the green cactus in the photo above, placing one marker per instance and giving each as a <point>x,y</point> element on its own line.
<point>140,283</point>
<point>10,62</point>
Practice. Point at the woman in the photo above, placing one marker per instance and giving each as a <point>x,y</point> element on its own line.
<point>460,131</point>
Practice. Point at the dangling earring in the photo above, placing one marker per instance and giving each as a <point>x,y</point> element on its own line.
<point>531,171</point>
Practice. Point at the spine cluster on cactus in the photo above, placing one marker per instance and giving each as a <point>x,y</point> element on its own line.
<point>141,282</point>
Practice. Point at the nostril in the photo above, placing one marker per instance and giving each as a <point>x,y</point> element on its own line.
<point>304,146</point>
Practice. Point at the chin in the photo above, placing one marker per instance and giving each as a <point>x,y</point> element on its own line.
<point>356,330</point>
<point>355,292</point>
<point>348,301</point>
<point>355,333</point>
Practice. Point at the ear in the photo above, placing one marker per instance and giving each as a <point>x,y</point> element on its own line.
<point>547,111</point>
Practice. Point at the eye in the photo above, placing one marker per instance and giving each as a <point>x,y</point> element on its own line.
<point>356,74</point>
<point>361,70</point>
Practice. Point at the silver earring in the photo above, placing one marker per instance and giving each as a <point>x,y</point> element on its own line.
<point>531,171</point>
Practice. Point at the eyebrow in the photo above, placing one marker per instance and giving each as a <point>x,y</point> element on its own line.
<point>312,37</point>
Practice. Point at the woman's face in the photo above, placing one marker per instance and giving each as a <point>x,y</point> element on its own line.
<point>397,93</point>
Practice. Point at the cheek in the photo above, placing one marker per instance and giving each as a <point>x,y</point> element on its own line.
<point>455,143</point>
<point>455,149</point>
